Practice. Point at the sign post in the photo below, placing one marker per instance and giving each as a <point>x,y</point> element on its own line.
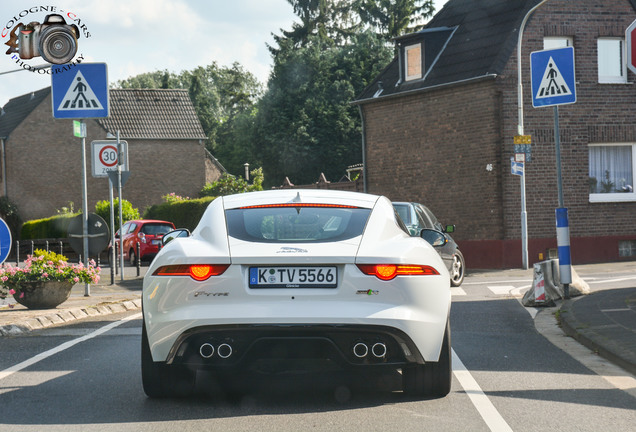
<point>553,84</point>
<point>81,93</point>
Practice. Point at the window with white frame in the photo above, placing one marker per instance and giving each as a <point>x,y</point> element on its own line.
<point>611,172</point>
<point>552,42</point>
<point>612,68</point>
<point>413,62</point>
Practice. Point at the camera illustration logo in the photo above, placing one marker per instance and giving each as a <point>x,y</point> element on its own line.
<point>54,40</point>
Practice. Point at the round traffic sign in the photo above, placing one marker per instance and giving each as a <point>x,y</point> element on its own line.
<point>5,240</point>
<point>108,156</point>
<point>98,234</point>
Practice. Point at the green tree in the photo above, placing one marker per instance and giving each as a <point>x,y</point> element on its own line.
<point>392,18</point>
<point>305,122</point>
<point>229,184</point>
<point>219,94</point>
<point>102,208</point>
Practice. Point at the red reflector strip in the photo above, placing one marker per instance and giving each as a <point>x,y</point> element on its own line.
<point>199,272</point>
<point>295,205</point>
<point>390,271</point>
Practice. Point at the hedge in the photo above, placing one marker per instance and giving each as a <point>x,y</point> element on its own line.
<point>51,227</point>
<point>183,214</point>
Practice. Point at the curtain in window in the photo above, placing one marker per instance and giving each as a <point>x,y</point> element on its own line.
<point>610,169</point>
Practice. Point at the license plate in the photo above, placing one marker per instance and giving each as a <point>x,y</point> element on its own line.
<point>294,277</point>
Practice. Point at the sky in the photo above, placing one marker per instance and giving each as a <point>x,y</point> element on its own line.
<point>138,36</point>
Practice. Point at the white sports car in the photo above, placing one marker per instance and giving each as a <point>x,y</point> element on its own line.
<point>295,280</point>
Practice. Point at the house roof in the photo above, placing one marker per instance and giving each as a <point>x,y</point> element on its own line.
<point>18,108</point>
<point>483,36</point>
<point>136,113</point>
<point>152,114</point>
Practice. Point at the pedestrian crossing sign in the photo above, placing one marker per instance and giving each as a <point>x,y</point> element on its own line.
<point>552,76</point>
<point>80,91</point>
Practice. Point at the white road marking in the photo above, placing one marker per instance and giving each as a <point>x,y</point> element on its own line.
<point>501,289</point>
<point>457,291</point>
<point>484,406</point>
<point>33,360</point>
<point>609,280</point>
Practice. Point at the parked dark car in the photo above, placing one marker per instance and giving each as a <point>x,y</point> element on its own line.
<point>145,231</point>
<point>418,217</point>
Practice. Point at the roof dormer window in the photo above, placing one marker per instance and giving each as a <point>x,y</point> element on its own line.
<point>413,62</point>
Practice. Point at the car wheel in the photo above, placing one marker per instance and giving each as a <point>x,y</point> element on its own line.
<point>433,378</point>
<point>457,270</point>
<point>153,375</point>
<point>132,258</point>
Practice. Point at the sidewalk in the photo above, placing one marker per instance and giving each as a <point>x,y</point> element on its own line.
<point>605,322</point>
<point>104,299</point>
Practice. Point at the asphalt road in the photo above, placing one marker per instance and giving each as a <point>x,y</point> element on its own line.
<point>508,375</point>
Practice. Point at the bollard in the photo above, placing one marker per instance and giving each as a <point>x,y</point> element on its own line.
<point>116,260</point>
<point>61,248</point>
<point>138,259</point>
<point>47,245</point>
<point>32,248</point>
<point>17,253</point>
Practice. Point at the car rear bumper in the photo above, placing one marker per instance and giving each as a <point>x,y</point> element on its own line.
<point>272,347</point>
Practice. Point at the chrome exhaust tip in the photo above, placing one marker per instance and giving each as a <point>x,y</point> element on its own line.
<point>224,350</point>
<point>206,350</point>
<point>379,350</point>
<point>360,350</point>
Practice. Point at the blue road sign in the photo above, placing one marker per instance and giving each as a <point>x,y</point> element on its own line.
<point>552,75</point>
<point>80,91</point>
<point>516,168</point>
<point>5,240</point>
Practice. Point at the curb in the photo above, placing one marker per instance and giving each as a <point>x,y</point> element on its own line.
<point>68,315</point>
<point>576,329</point>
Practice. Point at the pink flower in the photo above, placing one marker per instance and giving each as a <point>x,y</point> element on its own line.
<point>21,295</point>
<point>5,278</point>
<point>45,274</point>
<point>11,291</point>
<point>76,279</point>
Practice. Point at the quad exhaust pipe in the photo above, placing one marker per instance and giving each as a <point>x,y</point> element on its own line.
<point>207,350</point>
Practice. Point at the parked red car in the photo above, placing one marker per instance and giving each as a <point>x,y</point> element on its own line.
<point>148,233</point>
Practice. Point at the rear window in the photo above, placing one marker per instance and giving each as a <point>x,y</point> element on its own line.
<point>156,229</point>
<point>305,223</point>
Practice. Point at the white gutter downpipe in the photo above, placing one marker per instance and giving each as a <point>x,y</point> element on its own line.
<point>524,212</point>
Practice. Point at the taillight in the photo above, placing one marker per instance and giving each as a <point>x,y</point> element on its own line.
<point>199,272</point>
<point>389,271</point>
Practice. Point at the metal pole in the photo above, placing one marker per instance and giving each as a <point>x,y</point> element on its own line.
<point>87,287</point>
<point>121,234</point>
<point>524,213</point>
<point>111,252</point>
<point>563,228</point>
<point>557,141</point>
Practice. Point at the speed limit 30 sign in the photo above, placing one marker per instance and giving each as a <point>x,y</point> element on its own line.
<point>104,157</point>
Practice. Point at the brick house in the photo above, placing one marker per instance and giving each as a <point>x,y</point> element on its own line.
<point>440,120</point>
<point>41,159</point>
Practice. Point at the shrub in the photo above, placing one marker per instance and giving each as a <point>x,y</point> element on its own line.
<point>102,208</point>
<point>9,212</point>
<point>183,214</point>
<point>52,227</point>
<point>229,184</point>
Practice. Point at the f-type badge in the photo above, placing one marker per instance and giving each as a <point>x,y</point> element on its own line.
<point>368,292</point>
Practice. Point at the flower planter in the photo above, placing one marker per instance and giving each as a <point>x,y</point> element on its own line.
<point>43,294</point>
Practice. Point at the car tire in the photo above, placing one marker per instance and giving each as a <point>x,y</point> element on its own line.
<point>153,375</point>
<point>458,269</point>
<point>132,258</point>
<point>432,378</point>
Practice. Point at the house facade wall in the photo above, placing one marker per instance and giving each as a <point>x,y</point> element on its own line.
<point>44,167</point>
<point>603,113</point>
<point>441,148</point>
<point>434,147</point>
